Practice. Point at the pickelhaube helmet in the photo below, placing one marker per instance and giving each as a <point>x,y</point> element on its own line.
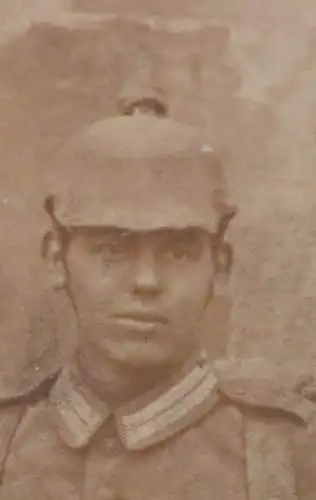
<point>141,171</point>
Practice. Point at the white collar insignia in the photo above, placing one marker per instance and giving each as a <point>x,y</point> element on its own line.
<point>156,416</point>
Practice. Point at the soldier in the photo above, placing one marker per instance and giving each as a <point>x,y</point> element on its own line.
<point>137,242</point>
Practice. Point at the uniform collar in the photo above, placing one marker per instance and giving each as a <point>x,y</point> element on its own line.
<point>157,415</point>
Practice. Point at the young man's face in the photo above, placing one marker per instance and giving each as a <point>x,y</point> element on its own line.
<point>139,296</point>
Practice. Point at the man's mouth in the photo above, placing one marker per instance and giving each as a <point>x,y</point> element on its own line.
<point>141,320</point>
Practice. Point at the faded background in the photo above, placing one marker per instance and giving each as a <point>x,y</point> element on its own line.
<point>244,70</point>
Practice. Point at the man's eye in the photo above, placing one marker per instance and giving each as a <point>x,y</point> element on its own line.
<point>112,249</point>
<point>109,250</point>
<point>180,253</point>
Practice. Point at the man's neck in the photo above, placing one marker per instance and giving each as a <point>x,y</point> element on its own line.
<point>116,384</point>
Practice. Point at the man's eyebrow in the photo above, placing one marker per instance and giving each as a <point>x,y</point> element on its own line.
<point>181,232</point>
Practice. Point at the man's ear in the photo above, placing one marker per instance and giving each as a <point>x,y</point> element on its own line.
<point>52,253</point>
<point>223,261</point>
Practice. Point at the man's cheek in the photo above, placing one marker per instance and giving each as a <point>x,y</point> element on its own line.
<point>91,287</point>
<point>92,303</point>
<point>193,291</point>
<point>98,310</point>
<point>193,306</point>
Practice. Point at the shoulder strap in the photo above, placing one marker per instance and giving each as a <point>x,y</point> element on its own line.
<point>261,387</point>
<point>31,395</point>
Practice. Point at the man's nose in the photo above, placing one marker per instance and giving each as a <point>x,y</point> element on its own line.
<point>146,276</point>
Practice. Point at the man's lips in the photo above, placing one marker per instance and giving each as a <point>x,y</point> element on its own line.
<point>141,319</point>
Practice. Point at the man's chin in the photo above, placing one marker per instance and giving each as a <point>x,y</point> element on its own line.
<point>139,355</point>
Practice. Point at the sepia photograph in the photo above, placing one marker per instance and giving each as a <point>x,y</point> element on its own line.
<point>158,265</point>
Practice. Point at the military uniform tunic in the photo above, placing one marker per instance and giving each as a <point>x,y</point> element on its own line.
<point>203,437</point>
